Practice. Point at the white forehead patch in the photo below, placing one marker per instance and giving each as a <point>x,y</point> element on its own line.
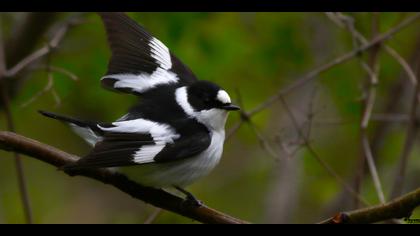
<point>223,97</point>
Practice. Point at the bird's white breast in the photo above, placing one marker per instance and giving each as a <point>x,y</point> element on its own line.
<point>179,173</point>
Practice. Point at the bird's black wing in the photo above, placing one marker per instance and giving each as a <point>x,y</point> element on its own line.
<point>185,147</point>
<point>137,142</point>
<point>139,61</point>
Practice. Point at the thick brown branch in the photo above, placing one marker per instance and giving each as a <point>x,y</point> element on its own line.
<point>13,142</point>
<point>398,208</point>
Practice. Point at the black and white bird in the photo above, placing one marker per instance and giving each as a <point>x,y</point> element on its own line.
<point>175,134</point>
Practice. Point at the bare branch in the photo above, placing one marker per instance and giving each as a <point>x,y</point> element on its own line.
<point>63,71</point>
<point>340,19</point>
<point>315,72</point>
<point>318,158</point>
<point>233,129</point>
<point>18,161</point>
<point>372,167</point>
<point>263,142</point>
<point>373,70</point>
<point>13,142</point>
<point>398,118</point>
<point>398,208</point>
<point>347,22</point>
<point>339,60</point>
<point>412,130</point>
<point>26,61</point>
<point>49,47</point>
<point>47,88</point>
<point>26,34</point>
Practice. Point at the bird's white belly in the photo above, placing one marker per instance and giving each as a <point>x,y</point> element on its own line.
<point>179,173</point>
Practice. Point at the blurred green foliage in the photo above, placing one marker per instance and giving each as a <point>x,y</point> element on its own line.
<point>253,53</point>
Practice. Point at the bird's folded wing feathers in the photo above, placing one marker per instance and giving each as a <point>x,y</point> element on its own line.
<point>140,141</point>
<point>139,61</point>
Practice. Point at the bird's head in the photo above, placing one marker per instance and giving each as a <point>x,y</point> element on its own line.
<point>206,102</point>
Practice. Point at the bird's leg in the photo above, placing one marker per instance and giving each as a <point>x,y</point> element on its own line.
<point>190,200</point>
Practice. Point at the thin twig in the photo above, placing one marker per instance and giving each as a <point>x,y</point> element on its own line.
<point>373,70</point>
<point>311,113</point>
<point>57,98</point>
<point>318,70</point>
<point>340,18</point>
<point>372,167</point>
<point>50,46</point>
<point>347,22</point>
<point>48,87</point>
<point>317,157</point>
<point>13,142</point>
<point>262,140</point>
<point>10,125</point>
<point>377,117</point>
<point>339,60</point>
<point>63,71</point>
<point>412,130</point>
<point>18,161</point>
<point>57,69</point>
<point>397,118</point>
<point>27,30</point>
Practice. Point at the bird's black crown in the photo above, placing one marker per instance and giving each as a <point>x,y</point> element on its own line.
<point>202,95</point>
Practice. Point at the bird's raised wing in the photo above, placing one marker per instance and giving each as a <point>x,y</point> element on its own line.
<point>140,141</point>
<point>139,61</point>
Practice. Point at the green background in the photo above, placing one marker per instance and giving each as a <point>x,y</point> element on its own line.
<point>251,55</point>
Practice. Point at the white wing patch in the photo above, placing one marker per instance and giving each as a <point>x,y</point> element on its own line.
<point>145,81</point>
<point>161,53</point>
<point>87,134</point>
<point>147,153</point>
<point>162,134</point>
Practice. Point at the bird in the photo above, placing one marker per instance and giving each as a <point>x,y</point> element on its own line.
<point>174,135</point>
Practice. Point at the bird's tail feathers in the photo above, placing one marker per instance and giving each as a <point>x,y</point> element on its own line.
<point>86,129</point>
<point>65,119</point>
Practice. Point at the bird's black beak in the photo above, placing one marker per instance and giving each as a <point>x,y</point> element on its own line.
<point>231,107</point>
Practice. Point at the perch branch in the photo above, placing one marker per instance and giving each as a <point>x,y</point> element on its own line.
<point>398,208</point>
<point>14,142</point>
